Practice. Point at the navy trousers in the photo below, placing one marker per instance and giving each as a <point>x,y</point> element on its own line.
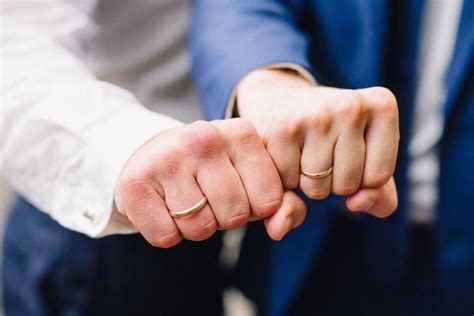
<point>49,270</point>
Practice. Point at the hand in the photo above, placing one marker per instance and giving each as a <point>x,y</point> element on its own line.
<point>314,128</point>
<point>224,161</point>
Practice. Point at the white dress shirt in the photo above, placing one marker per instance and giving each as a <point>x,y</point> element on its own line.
<point>77,79</point>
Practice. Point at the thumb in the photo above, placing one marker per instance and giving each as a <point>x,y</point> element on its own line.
<point>290,215</point>
<point>379,202</point>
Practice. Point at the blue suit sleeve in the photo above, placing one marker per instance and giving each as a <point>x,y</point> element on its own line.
<point>231,38</point>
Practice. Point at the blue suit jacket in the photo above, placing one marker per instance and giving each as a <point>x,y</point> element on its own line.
<point>352,44</point>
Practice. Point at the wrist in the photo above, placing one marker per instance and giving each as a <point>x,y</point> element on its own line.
<point>262,78</point>
<point>261,83</point>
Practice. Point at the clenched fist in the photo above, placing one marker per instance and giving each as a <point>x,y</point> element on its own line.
<point>224,161</point>
<point>311,129</point>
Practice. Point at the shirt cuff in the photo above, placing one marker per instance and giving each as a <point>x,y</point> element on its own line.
<point>303,72</point>
<point>111,146</point>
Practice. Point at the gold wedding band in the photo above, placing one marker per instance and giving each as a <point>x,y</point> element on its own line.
<point>318,175</point>
<point>193,209</point>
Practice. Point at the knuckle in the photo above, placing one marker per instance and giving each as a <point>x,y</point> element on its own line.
<point>346,189</point>
<point>165,241</point>
<point>169,162</point>
<point>291,127</point>
<point>268,204</point>
<point>387,103</point>
<point>387,98</point>
<point>321,121</point>
<point>350,107</point>
<point>377,178</point>
<point>239,217</point>
<point>202,138</point>
<point>291,182</point>
<point>246,132</point>
<point>136,184</point>
<point>201,231</point>
<point>316,193</point>
<point>244,125</point>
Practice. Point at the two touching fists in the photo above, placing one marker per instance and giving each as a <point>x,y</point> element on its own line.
<point>190,181</point>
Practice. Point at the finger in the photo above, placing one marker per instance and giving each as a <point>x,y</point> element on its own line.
<point>382,136</point>
<point>257,172</point>
<point>349,156</point>
<point>148,213</point>
<point>316,157</point>
<point>183,192</point>
<point>286,155</point>
<point>380,202</point>
<point>223,188</point>
<point>290,215</point>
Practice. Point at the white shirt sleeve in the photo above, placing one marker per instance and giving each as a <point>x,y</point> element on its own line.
<point>65,135</point>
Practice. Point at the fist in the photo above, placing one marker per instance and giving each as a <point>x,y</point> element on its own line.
<point>224,161</point>
<point>311,129</point>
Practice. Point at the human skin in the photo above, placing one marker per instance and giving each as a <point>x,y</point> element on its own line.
<point>311,128</point>
<point>225,161</point>
<point>248,167</point>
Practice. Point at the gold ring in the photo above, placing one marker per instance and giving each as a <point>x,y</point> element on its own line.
<point>318,175</point>
<point>193,209</point>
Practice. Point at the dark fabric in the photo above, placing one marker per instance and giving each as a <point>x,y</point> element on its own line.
<point>454,233</point>
<point>352,44</point>
<point>339,283</point>
<point>385,242</point>
<point>49,270</point>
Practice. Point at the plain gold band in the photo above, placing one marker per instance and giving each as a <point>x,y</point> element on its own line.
<point>318,175</point>
<point>193,209</point>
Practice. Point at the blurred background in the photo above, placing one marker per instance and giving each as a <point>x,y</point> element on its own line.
<point>5,199</point>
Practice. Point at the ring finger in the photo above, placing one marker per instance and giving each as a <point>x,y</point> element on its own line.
<point>184,193</point>
<point>317,158</point>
